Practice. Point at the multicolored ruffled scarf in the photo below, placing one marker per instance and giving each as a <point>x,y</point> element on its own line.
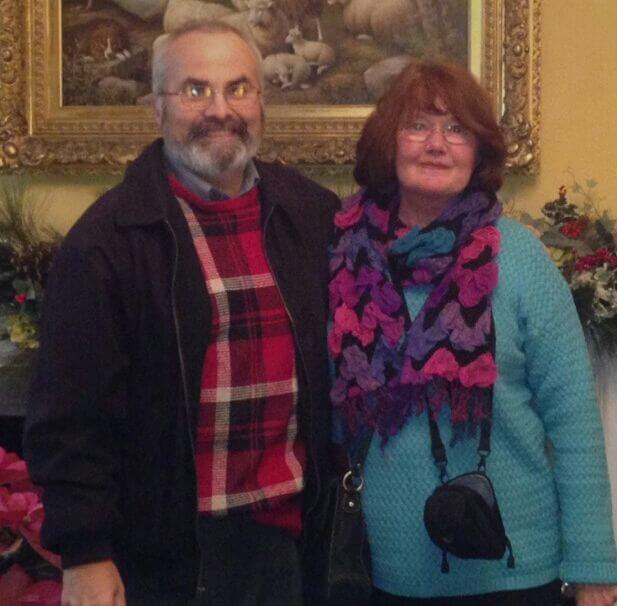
<point>388,366</point>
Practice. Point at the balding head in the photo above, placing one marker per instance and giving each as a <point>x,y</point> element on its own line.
<point>162,45</point>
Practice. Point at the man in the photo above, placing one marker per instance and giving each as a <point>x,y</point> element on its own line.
<point>178,415</point>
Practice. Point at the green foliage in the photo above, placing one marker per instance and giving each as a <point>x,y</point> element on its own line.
<point>580,239</point>
<point>19,228</point>
<point>23,330</point>
<point>26,255</point>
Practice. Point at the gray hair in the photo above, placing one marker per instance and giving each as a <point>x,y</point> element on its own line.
<point>161,46</point>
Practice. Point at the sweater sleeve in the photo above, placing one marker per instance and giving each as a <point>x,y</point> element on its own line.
<point>76,404</point>
<point>561,380</point>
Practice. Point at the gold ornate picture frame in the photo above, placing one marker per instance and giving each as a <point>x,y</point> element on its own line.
<point>37,133</point>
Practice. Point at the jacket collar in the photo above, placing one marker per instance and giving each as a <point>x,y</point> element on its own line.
<point>150,199</point>
<point>276,189</point>
<point>146,189</point>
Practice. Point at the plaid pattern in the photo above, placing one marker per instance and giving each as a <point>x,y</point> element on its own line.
<point>248,455</point>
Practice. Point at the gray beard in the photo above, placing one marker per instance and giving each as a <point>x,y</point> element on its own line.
<point>209,161</point>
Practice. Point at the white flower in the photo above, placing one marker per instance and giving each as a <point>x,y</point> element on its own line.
<point>605,301</point>
<point>582,279</point>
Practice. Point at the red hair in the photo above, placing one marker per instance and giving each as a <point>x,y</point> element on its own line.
<point>425,86</point>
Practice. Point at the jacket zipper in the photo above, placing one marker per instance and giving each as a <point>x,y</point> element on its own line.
<point>185,391</point>
<point>302,361</point>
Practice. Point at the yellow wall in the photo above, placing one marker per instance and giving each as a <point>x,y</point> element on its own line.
<point>578,116</point>
<point>578,104</point>
<point>59,200</point>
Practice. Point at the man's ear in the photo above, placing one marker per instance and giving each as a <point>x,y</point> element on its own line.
<point>158,109</point>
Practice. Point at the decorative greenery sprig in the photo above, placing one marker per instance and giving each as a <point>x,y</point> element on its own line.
<point>26,255</point>
<point>581,240</point>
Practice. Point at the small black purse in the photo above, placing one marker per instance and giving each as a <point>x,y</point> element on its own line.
<point>347,564</point>
<point>462,516</point>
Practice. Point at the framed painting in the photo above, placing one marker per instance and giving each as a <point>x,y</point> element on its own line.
<point>75,85</point>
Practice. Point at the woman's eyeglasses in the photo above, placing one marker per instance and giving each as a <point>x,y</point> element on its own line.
<point>454,133</point>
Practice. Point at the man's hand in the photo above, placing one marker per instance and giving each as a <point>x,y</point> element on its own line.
<point>96,584</point>
<point>596,595</point>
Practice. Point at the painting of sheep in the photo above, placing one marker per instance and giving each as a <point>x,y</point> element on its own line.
<point>325,52</point>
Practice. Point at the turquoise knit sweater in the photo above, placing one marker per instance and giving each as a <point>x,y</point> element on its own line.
<point>556,508</point>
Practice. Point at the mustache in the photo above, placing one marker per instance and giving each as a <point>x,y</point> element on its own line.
<point>207,126</point>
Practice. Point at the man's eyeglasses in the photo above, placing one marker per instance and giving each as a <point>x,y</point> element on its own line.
<point>201,96</point>
<point>454,133</point>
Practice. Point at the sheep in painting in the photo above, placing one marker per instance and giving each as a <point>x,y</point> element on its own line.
<point>261,19</point>
<point>386,20</point>
<point>296,11</point>
<point>181,12</point>
<point>315,52</point>
<point>147,10</point>
<point>268,25</point>
<point>287,70</point>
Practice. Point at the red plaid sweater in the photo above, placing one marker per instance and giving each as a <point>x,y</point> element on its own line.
<point>248,455</point>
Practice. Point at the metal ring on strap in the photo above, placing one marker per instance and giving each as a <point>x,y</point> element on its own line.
<point>348,482</point>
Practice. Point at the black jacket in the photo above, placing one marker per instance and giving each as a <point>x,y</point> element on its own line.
<point>115,392</point>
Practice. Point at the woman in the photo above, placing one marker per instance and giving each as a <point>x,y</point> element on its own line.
<point>439,303</point>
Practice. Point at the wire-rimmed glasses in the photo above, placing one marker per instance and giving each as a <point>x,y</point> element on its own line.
<point>453,132</point>
<point>197,95</point>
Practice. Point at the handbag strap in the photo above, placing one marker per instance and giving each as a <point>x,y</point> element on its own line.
<point>360,449</point>
<point>439,450</point>
<point>353,479</point>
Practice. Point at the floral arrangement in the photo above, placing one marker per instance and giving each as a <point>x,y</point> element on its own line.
<point>29,574</point>
<point>581,240</point>
<point>26,253</point>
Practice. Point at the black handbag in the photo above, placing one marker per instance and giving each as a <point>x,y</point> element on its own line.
<point>462,516</point>
<point>347,567</point>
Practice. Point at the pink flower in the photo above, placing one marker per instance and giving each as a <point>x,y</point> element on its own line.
<point>16,507</point>
<point>13,583</point>
<point>13,471</point>
<point>598,257</point>
<point>7,458</point>
<point>481,238</point>
<point>43,593</point>
<point>21,512</point>
<point>31,531</point>
<point>482,372</point>
<point>574,228</point>
<point>348,216</point>
<point>34,520</point>
<point>442,364</point>
<point>21,298</point>
<point>473,285</point>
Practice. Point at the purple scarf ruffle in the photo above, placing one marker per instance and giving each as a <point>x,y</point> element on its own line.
<point>388,367</point>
